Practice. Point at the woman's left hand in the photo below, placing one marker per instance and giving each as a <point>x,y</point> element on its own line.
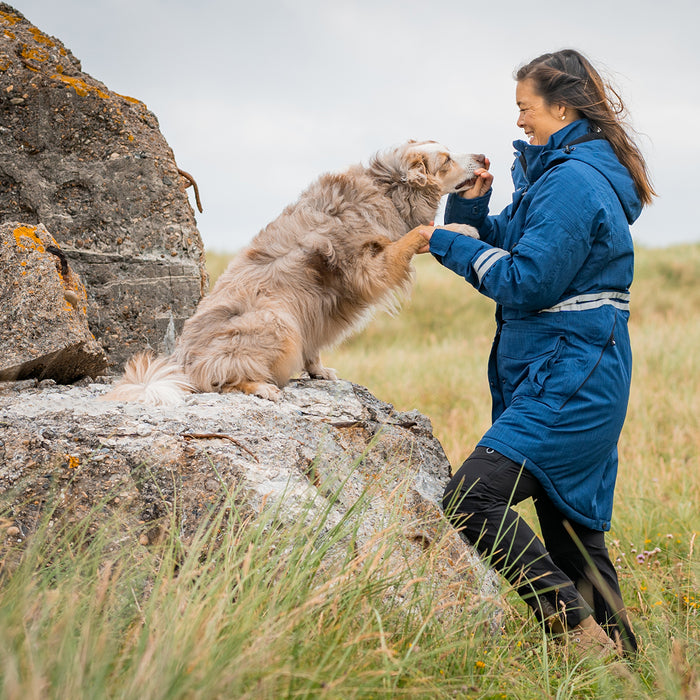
<point>426,231</point>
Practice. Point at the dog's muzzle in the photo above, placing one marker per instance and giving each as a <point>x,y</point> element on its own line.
<point>470,163</point>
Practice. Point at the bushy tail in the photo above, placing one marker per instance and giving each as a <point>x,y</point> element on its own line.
<point>156,381</point>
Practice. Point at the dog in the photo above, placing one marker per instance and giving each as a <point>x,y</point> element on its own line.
<point>308,279</point>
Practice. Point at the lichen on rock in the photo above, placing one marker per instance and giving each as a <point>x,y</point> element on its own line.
<point>92,166</point>
<point>43,306</point>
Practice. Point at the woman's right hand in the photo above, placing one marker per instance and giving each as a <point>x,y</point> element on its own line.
<point>484,180</point>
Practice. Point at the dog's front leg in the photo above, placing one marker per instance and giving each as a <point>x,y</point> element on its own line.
<point>414,241</point>
<point>317,371</point>
<point>411,243</point>
<point>395,259</point>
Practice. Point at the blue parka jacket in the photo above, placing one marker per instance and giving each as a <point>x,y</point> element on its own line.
<point>558,261</point>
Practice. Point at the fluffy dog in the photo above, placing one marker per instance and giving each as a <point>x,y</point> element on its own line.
<point>307,280</point>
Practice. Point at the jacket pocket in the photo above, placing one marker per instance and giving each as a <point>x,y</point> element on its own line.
<point>586,376</point>
<point>576,370</point>
<point>523,373</point>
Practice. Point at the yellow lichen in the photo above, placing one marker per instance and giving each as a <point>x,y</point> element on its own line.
<point>9,18</point>
<point>80,86</point>
<point>9,34</point>
<point>133,100</point>
<point>34,54</point>
<point>30,233</point>
<point>40,37</point>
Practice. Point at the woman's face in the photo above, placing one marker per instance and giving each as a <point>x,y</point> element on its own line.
<point>537,119</point>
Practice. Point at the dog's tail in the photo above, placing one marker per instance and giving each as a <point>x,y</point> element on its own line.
<point>157,381</point>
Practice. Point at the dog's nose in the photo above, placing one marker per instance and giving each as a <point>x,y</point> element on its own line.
<point>480,158</point>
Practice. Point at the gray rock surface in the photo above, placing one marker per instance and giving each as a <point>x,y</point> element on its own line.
<point>93,167</point>
<point>328,444</point>
<point>43,306</point>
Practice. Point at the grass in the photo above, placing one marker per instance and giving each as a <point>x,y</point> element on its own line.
<point>268,613</point>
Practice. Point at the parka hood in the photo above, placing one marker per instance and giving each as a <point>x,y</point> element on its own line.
<point>533,161</point>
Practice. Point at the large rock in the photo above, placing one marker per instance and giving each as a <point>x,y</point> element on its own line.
<point>323,449</point>
<point>43,305</point>
<point>93,167</point>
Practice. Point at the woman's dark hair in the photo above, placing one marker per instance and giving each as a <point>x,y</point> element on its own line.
<point>567,78</point>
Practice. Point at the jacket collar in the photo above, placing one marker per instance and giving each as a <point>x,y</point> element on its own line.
<point>535,159</point>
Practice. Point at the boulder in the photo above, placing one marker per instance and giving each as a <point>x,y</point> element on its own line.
<point>93,167</point>
<point>43,305</point>
<point>324,448</point>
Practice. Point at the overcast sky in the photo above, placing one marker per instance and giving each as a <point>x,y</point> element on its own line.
<point>257,98</point>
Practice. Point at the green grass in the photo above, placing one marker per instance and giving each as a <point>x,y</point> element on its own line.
<point>251,610</point>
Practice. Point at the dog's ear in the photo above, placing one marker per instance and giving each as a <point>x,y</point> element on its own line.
<point>416,172</point>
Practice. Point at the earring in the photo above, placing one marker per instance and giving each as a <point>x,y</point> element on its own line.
<point>563,117</point>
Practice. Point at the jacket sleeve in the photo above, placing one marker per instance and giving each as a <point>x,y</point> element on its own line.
<point>475,212</point>
<point>557,237</point>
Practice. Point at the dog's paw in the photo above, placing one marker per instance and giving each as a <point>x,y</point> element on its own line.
<point>316,370</point>
<point>464,229</point>
<point>268,391</point>
<point>262,389</point>
<point>415,240</point>
<point>324,373</point>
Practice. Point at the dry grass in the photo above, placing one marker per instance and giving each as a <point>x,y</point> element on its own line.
<point>264,617</point>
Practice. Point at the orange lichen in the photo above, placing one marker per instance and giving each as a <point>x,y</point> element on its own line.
<point>5,63</point>
<point>40,37</point>
<point>80,86</point>
<point>9,34</point>
<point>30,233</point>
<point>133,100</point>
<point>34,54</point>
<point>9,18</point>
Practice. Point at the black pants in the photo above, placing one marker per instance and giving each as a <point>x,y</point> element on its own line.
<point>557,580</point>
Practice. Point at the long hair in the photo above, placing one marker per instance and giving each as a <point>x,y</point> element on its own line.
<point>567,78</point>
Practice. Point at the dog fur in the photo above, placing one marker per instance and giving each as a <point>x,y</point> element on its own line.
<point>307,280</point>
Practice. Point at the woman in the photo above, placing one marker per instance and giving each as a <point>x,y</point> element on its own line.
<point>558,261</point>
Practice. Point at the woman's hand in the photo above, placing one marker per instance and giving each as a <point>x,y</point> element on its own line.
<point>427,231</point>
<point>484,180</point>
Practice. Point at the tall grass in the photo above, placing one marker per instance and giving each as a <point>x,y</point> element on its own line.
<point>433,357</point>
<point>250,609</point>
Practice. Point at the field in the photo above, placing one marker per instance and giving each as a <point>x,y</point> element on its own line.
<point>260,616</point>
